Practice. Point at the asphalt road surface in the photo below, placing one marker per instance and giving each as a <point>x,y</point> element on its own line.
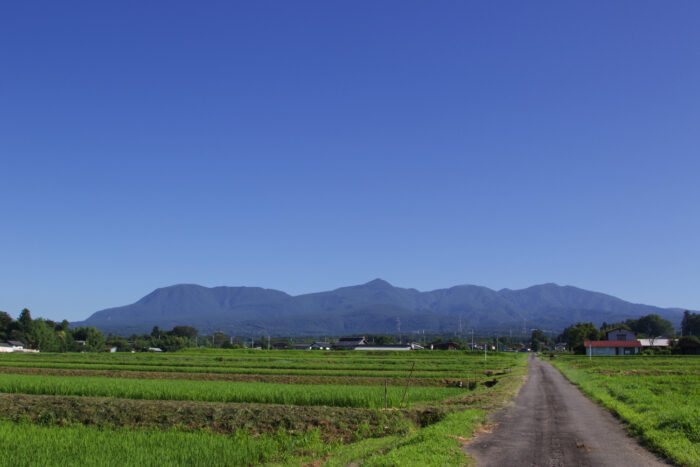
<point>553,424</point>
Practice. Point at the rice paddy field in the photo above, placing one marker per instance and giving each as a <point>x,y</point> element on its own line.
<point>249,407</point>
<point>658,397</point>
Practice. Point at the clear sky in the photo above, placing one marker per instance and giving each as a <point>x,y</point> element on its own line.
<point>305,146</point>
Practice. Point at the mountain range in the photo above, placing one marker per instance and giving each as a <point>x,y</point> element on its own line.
<point>376,307</point>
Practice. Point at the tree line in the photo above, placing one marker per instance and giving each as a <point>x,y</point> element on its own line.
<point>49,336</point>
<point>649,326</point>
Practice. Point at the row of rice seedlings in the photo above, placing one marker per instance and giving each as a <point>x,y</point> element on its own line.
<point>26,444</point>
<point>664,411</point>
<point>221,391</point>
<point>420,366</point>
<point>262,359</point>
<point>259,371</point>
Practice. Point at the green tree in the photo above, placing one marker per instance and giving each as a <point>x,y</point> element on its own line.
<point>43,337</point>
<point>690,325</point>
<point>94,339</point>
<point>384,340</point>
<point>576,335</point>
<point>538,340</point>
<point>119,342</point>
<point>6,323</point>
<point>651,326</point>
<point>218,339</point>
<point>688,345</point>
<point>25,320</point>
<point>184,331</point>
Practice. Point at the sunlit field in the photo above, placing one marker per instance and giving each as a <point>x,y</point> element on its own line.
<point>658,397</point>
<point>244,407</point>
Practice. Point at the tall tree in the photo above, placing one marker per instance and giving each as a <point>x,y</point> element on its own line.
<point>576,335</point>
<point>6,322</point>
<point>690,326</point>
<point>651,325</point>
<point>25,320</point>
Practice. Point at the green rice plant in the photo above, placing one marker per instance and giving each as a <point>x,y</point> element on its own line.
<point>32,445</point>
<point>435,365</point>
<point>221,391</point>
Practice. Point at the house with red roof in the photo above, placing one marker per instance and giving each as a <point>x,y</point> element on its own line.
<point>620,342</point>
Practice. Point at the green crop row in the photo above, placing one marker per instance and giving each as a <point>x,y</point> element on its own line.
<point>662,410</point>
<point>221,391</point>
<point>27,445</point>
<point>194,357</point>
<point>367,363</point>
<point>297,364</point>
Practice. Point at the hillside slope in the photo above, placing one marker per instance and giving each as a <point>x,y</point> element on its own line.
<point>374,307</point>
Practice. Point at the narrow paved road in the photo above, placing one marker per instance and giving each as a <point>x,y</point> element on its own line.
<point>553,424</point>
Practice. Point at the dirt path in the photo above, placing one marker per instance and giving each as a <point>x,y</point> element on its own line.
<point>553,424</point>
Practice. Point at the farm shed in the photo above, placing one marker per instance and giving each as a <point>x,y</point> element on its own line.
<point>612,347</point>
<point>321,346</point>
<point>16,345</point>
<point>390,348</point>
<point>657,342</point>
<point>6,348</point>
<point>280,345</point>
<point>302,346</point>
<point>349,343</point>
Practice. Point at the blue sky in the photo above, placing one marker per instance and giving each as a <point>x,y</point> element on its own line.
<point>306,146</point>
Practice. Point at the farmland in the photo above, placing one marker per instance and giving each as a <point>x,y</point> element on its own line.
<point>658,397</point>
<point>243,407</point>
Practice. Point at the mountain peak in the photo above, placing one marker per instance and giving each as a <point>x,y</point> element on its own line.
<point>376,283</point>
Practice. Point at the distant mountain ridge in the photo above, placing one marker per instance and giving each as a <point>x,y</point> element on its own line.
<point>374,307</point>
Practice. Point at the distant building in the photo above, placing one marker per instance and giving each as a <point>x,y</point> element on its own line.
<point>656,342</point>
<point>155,349</point>
<point>302,346</point>
<point>620,341</point>
<point>320,346</point>
<point>349,343</point>
<point>6,348</point>
<point>445,346</point>
<point>620,334</point>
<point>280,345</point>
<point>391,348</point>
<point>622,347</point>
<point>16,345</point>
<point>111,349</point>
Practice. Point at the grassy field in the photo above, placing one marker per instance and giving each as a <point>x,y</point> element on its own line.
<point>239,407</point>
<point>658,397</point>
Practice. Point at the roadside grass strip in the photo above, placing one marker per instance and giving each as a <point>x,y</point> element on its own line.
<point>661,410</point>
<point>437,445</point>
<point>31,445</point>
<point>221,391</point>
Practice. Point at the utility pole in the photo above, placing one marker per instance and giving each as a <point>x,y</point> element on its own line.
<point>472,339</point>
